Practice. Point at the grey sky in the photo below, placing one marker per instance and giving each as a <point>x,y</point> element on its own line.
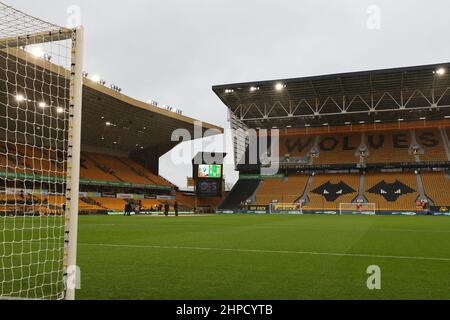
<point>173,51</point>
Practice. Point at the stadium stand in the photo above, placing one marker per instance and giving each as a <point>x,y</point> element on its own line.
<point>296,146</point>
<point>88,205</point>
<point>90,170</point>
<point>338,149</point>
<point>286,190</point>
<point>142,171</point>
<point>101,167</point>
<point>191,201</point>
<point>437,187</point>
<point>392,191</point>
<point>111,203</point>
<point>241,192</point>
<point>19,158</point>
<point>389,147</point>
<point>382,147</point>
<point>118,169</point>
<point>430,140</point>
<point>329,190</point>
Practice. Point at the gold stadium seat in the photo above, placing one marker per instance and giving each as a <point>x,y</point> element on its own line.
<point>327,191</point>
<point>392,191</point>
<point>283,190</point>
<point>437,187</point>
<point>431,141</point>
<point>388,147</point>
<point>338,149</point>
<point>111,203</point>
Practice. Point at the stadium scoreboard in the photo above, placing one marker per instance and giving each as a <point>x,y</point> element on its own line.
<point>210,171</point>
<point>208,174</point>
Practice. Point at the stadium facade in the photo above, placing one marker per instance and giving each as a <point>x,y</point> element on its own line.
<point>363,142</point>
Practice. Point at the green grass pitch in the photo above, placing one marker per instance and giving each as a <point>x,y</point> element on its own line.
<point>263,257</point>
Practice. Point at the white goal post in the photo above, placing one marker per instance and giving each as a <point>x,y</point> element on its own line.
<point>358,208</point>
<point>40,142</point>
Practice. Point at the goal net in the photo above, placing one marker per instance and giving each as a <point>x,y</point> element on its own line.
<point>40,114</point>
<point>357,208</point>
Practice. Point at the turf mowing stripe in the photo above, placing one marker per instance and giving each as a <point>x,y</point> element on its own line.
<point>266,251</point>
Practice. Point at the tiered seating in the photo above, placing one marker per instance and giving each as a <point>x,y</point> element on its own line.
<point>389,147</point>
<point>18,158</point>
<point>383,147</point>
<point>295,146</point>
<point>437,187</point>
<point>342,153</point>
<point>147,204</point>
<point>187,200</point>
<point>89,170</point>
<point>110,168</point>
<point>242,191</point>
<point>392,191</point>
<point>433,145</point>
<point>119,169</point>
<point>141,170</point>
<point>328,191</point>
<point>284,191</point>
<point>40,159</point>
<point>111,203</point>
<point>86,205</point>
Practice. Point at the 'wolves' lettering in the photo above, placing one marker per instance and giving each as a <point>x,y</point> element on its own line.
<point>326,146</point>
<point>376,141</point>
<point>400,141</point>
<point>347,145</point>
<point>297,145</point>
<point>428,139</point>
<point>378,144</point>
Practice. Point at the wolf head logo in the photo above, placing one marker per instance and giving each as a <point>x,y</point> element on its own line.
<point>331,192</point>
<point>391,191</point>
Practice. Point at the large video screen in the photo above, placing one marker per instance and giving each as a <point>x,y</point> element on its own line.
<point>208,188</point>
<point>209,171</point>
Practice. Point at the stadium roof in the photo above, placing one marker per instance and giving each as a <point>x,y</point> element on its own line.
<point>401,94</point>
<point>111,120</point>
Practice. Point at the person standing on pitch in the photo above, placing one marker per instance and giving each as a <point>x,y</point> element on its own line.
<point>128,209</point>
<point>175,207</point>
<point>166,209</point>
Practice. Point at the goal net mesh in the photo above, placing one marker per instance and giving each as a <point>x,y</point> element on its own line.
<point>357,208</point>
<point>35,118</point>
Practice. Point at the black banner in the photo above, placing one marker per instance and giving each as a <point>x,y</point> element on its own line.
<point>258,208</point>
<point>228,309</point>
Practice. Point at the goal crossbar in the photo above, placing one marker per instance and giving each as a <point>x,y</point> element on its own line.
<point>36,38</point>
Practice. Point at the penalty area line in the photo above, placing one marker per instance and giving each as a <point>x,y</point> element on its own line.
<point>352,255</point>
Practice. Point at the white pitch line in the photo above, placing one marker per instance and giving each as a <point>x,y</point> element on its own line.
<point>266,251</point>
<point>411,230</point>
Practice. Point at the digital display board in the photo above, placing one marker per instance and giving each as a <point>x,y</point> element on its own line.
<point>208,188</point>
<point>209,171</point>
